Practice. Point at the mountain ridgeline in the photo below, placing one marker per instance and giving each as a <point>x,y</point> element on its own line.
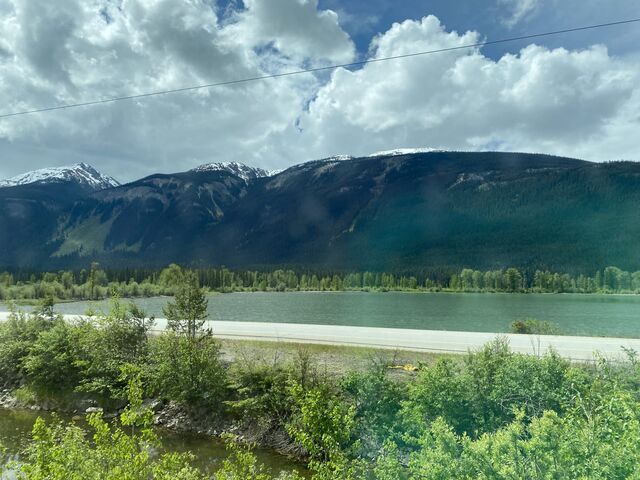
<point>395,211</point>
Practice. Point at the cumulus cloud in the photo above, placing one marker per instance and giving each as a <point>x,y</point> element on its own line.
<point>294,27</point>
<point>583,103</point>
<point>559,101</point>
<point>69,51</point>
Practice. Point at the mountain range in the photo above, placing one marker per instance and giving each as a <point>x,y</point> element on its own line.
<point>400,210</point>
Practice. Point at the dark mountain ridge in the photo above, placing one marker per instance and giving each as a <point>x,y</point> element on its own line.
<point>394,212</point>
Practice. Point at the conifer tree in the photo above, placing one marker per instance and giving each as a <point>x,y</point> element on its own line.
<point>188,312</point>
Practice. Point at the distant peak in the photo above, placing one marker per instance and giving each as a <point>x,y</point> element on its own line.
<point>246,172</point>
<point>80,173</point>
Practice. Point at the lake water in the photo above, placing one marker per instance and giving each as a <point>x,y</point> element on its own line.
<point>575,314</point>
<point>16,425</point>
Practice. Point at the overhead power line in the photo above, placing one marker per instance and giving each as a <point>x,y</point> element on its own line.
<point>319,69</point>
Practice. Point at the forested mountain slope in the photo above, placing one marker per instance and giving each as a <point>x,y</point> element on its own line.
<point>394,211</point>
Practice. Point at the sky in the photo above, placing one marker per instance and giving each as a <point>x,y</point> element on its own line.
<point>575,95</point>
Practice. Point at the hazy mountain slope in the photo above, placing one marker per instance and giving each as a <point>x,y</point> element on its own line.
<point>156,217</point>
<point>410,211</point>
<point>29,218</point>
<point>576,219</point>
<point>398,211</point>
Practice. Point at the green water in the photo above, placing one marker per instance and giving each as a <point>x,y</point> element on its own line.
<point>575,314</point>
<point>16,425</point>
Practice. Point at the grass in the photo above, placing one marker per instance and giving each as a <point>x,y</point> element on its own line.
<point>333,359</point>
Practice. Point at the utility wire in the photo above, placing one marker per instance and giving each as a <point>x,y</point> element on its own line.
<point>318,69</point>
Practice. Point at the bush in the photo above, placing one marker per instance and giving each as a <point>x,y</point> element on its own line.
<point>242,464</point>
<point>60,451</point>
<point>261,395</point>
<point>377,401</point>
<point>17,335</point>
<point>51,361</point>
<point>481,394</point>
<point>188,371</point>
<point>322,422</point>
<point>531,326</point>
<point>107,343</point>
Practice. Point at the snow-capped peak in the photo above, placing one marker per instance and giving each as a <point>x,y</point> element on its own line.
<point>241,170</point>
<point>80,173</point>
<point>403,151</point>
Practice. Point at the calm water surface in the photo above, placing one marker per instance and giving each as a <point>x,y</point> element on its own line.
<point>16,425</point>
<point>598,315</point>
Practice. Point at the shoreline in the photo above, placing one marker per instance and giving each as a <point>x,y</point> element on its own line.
<point>575,348</point>
<point>28,302</point>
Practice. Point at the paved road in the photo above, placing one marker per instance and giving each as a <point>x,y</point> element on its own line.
<point>576,348</point>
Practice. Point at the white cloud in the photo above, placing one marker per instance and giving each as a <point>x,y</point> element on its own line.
<point>294,27</point>
<point>558,101</point>
<point>518,10</point>
<point>583,103</point>
<point>67,51</point>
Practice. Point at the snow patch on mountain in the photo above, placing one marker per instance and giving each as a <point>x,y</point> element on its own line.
<point>340,158</point>
<point>468,178</point>
<point>404,151</point>
<point>241,170</point>
<point>80,173</point>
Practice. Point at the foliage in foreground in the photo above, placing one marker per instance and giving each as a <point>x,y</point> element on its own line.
<point>493,414</point>
<point>126,452</point>
<point>596,438</point>
<point>63,452</point>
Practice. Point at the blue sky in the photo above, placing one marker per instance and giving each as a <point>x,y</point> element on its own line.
<point>574,95</point>
<point>366,18</point>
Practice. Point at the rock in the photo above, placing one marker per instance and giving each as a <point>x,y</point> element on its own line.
<point>7,399</point>
<point>93,410</point>
<point>85,403</point>
<point>154,404</point>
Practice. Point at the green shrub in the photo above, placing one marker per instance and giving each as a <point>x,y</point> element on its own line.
<point>17,335</point>
<point>60,451</point>
<point>51,361</point>
<point>107,343</point>
<point>480,395</point>
<point>439,391</point>
<point>261,395</point>
<point>531,326</point>
<point>377,401</point>
<point>189,371</point>
<point>322,423</point>
<point>260,390</point>
<point>242,464</point>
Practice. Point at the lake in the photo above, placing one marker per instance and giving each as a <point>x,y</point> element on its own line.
<point>16,425</point>
<point>575,314</point>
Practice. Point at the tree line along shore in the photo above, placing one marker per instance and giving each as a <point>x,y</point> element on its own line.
<point>96,283</point>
